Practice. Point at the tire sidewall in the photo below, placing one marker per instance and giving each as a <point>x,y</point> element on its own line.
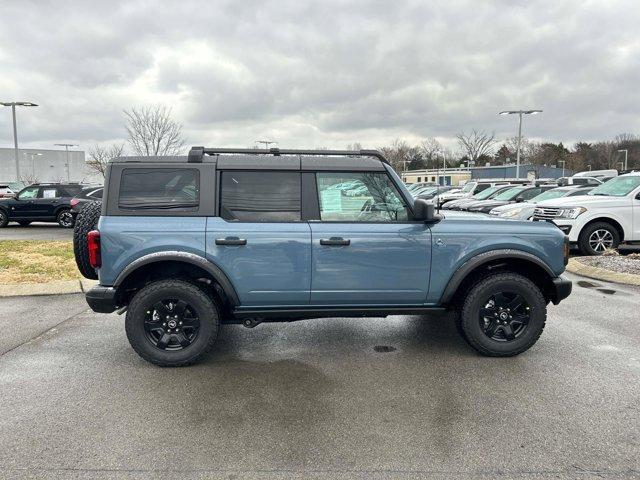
<point>205,309</point>
<point>478,298</point>
<point>585,248</point>
<point>4,218</point>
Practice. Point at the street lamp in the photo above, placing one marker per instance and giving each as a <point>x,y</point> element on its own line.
<point>563,162</point>
<point>66,147</point>
<point>13,106</point>
<point>519,113</point>
<point>626,154</point>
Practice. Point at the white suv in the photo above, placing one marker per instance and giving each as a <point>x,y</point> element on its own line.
<point>607,216</point>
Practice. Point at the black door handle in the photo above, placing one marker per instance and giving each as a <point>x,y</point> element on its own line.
<point>231,241</point>
<point>335,242</point>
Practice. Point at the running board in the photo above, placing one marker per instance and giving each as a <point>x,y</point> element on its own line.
<point>328,312</point>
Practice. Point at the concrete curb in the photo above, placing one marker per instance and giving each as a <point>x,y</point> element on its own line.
<point>51,288</point>
<point>575,266</point>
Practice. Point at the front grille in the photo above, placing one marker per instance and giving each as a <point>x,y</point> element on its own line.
<point>546,213</point>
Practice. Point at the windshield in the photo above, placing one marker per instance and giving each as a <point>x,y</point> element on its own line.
<point>469,187</point>
<point>509,194</point>
<point>549,194</point>
<point>486,193</point>
<point>617,187</point>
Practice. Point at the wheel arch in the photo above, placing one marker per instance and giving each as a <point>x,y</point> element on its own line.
<point>176,264</point>
<point>516,261</point>
<point>610,220</point>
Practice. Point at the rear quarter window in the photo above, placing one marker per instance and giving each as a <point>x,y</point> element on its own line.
<point>159,189</point>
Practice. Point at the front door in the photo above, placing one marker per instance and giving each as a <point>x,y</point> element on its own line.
<point>25,206</point>
<point>365,250</point>
<point>259,239</point>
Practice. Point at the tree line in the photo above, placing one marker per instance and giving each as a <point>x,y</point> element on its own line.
<point>153,131</point>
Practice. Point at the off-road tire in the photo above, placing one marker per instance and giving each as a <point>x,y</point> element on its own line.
<point>64,218</point>
<point>207,312</point>
<point>585,234</point>
<point>86,221</point>
<point>469,321</point>
<point>4,218</point>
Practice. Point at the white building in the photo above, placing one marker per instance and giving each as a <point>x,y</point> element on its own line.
<point>38,165</point>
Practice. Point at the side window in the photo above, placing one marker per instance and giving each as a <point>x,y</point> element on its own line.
<point>159,188</point>
<point>260,196</point>
<point>49,193</point>
<point>96,194</point>
<point>28,193</point>
<point>359,197</point>
<point>532,192</point>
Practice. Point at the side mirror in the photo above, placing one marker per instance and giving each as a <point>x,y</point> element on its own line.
<point>423,210</point>
<point>519,199</point>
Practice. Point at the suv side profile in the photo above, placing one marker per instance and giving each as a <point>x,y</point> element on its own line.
<point>40,202</point>
<point>245,236</point>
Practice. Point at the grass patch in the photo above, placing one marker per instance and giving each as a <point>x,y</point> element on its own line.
<point>32,261</point>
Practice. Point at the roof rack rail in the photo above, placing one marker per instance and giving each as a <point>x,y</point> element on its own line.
<point>196,154</point>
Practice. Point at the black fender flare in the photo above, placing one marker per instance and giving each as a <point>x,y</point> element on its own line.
<point>185,257</point>
<point>461,273</point>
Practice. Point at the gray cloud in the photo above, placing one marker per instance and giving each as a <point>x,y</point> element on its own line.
<point>321,73</point>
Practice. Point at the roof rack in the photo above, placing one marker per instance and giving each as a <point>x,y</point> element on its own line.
<point>196,154</point>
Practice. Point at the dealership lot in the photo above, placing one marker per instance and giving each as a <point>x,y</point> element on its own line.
<point>316,399</point>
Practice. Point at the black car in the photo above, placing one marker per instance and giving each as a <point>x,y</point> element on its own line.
<point>511,195</point>
<point>40,202</point>
<point>88,194</point>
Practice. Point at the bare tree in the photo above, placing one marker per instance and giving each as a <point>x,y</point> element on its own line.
<point>99,157</point>
<point>431,150</point>
<point>398,154</point>
<point>476,144</point>
<point>152,131</point>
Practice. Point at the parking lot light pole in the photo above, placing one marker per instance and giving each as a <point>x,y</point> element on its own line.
<point>66,147</point>
<point>562,162</point>
<point>626,154</point>
<point>520,113</point>
<point>13,106</point>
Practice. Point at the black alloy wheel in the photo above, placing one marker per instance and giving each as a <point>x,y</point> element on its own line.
<point>65,219</point>
<point>505,316</point>
<point>171,324</point>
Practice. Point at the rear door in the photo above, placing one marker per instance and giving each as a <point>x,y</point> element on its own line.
<point>48,201</point>
<point>259,238</point>
<point>365,250</point>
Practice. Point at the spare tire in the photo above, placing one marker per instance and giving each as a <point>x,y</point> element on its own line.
<point>86,221</point>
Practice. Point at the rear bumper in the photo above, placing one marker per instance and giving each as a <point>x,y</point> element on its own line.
<point>102,299</point>
<point>561,289</point>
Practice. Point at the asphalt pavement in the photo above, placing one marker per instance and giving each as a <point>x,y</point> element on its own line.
<point>317,399</point>
<point>36,231</point>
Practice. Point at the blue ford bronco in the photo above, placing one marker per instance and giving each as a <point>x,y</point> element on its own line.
<point>183,244</point>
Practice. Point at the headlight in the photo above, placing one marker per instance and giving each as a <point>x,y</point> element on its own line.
<point>512,213</point>
<point>572,212</point>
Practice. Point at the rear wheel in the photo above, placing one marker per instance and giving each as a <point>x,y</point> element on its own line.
<point>172,323</point>
<point>503,315</point>
<point>65,218</point>
<point>598,237</point>
<point>86,221</point>
<point>4,218</point>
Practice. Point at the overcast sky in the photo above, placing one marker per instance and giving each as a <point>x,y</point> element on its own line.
<point>325,73</point>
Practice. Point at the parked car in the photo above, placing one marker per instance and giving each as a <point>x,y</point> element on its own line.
<point>86,195</point>
<point>417,185</point>
<point>511,195</point>
<point>524,210</point>
<point>40,202</point>
<point>604,218</point>
<point>581,180</point>
<point>429,193</point>
<point>6,191</point>
<point>469,189</point>
<point>221,237</point>
<point>490,192</point>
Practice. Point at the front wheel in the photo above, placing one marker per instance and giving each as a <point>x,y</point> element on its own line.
<point>598,237</point>
<point>65,218</point>
<point>4,218</point>
<point>172,323</point>
<point>503,315</point>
